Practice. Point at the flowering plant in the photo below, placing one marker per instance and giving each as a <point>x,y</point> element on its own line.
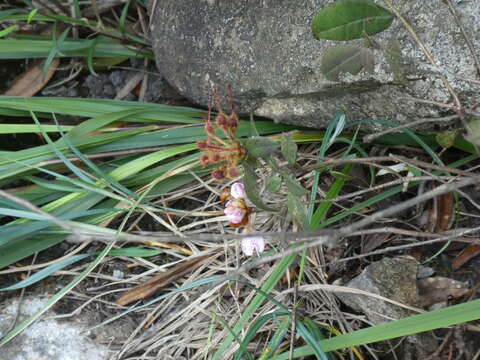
<point>228,152</point>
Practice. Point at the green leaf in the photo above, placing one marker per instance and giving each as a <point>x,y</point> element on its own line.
<point>289,148</point>
<point>341,176</point>
<point>250,182</point>
<point>474,136</point>
<point>260,147</point>
<point>273,184</point>
<point>296,210</point>
<point>294,187</point>
<point>350,19</point>
<point>446,139</point>
<point>31,15</point>
<point>445,317</point>
<point>8,30</point>
<point>346,58</point>
<point>42,274</point>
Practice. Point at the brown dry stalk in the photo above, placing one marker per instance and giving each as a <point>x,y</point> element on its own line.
<point>157,282</point>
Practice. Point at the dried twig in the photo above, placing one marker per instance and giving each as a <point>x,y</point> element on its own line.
<point>371,137</point>
<point>454,13</point>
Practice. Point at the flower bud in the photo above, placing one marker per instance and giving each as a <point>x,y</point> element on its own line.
<point>202,144</point>
<point>233,172</point>
<point>233,121</point>
<point>204,159</point>
<point>218,174</point>
<point>221,120</point>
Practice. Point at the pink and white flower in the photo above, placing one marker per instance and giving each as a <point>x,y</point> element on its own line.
<point>238,191</point>
<point>235,213</point>
<point>236,208</point>
<point>253,244</point>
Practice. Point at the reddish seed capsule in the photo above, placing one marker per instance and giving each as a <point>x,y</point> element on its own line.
<point>234,172</point>
<point>218,174</point>
<point>233,121</point>
<point>216,158</point>
<point>221,120</point>
<point>202,145</point>
<point>204,159</point>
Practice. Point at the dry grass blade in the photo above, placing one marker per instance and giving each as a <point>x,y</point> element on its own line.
<point>157,282</point>
<point>32,80</point>
<point>465,256</point>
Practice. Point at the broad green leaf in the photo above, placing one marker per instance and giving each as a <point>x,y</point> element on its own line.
<point>346,58</point>
<point>350,19</point>
<point>273,184</point>
<point>294,187</point>
<point>289,148</point>
<point>250,182</point>
<point>446,139</point>
<point>260,147</point>
<point>296,210</point>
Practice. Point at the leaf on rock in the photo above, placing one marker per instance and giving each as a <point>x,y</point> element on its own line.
<point>395,60</point>
<point>346,58</point>
<point>350,19</point>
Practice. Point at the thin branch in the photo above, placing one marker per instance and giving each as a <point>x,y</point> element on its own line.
<point>458,236</point>
<point>369,138</point>
<point>424,50</point>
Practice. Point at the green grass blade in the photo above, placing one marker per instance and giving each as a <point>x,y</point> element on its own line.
<point>49,270</point>
<point>445,317</point>
<point>54,299</point>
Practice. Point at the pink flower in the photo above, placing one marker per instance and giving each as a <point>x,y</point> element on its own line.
<point>234,214</point>
<point>238,190</point>
<point>253,244</point>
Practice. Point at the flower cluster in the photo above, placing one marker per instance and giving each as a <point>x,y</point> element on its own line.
<point>227,152</point>
<point>236,208</point>
<point>238,213</point>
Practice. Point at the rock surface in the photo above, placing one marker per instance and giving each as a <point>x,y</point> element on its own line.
<point>265,51</point>
<point>395,279</point>
<point>46,339</point>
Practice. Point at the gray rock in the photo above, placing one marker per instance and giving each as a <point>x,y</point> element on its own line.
<point>46,339</point>
<point>265,51</point>
<point>395,279</point>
